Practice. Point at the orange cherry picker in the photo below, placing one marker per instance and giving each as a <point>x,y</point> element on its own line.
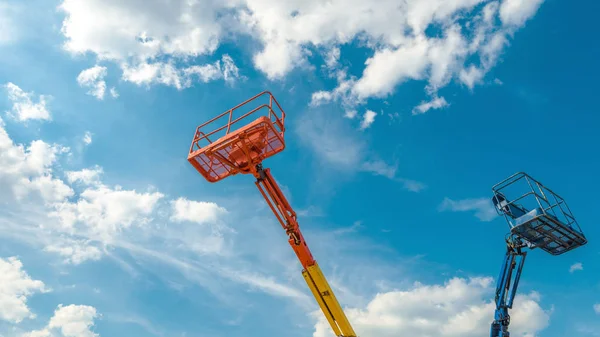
<point>241,151</point>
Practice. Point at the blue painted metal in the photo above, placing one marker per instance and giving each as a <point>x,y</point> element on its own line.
<point>538,218</point>
<point>507,285</point>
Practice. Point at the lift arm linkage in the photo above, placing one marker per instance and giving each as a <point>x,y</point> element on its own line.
<point>312,273</point>
<point>506,288</point>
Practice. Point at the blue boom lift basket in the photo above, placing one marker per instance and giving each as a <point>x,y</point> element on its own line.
<point>537,215</point>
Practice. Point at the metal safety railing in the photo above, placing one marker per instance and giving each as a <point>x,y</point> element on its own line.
<point>536,196</point>
<point>277,121</point>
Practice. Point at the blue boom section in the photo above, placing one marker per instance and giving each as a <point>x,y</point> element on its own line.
<point>508,282</point>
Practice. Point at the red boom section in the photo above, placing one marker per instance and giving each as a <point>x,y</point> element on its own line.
<point>285,214</point>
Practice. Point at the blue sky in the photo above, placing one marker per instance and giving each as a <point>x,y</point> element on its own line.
<point>400,118</point>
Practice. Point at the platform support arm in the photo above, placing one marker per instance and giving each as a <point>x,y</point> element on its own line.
<point>506,288</point>
<point>311,272</point>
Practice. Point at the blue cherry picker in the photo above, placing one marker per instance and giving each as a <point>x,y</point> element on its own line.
<point>538,218</point>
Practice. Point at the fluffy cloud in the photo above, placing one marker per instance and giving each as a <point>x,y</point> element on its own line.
<point>196,211</point>
<point>597,308</point>
<point>139,33</point>
<point>69,321</point>
<point>459,307</point>
<point>93,78</point>
<point>25,171</point>
<point>483,208</point>
<point>15,287</point>
<point>396,32</point>
<point>74,251</point>
<point>86,176</point>
<point>104,211</point>
<point>516,12</point>
<point>400,56</point>
<point>24,108</point>
<point>26,177</point>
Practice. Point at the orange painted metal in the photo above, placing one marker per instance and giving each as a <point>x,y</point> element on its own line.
<point>238,150</point>
<point>286,216</point>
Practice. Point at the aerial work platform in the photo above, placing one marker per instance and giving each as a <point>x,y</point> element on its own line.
<point>221,147</point>
<point>538,218</point>
<point>537,215</point>
<point>233,150</point>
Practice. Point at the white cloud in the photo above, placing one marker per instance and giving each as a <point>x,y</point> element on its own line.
<point>389,67</point>
<point>381,168</point>
<point>399,57</point>
<point>23,106</point>
<point>75,251</point>
<point>459,307</point>
<point>290,31</point>
<point>320,97</point>
<point>15,287</point>
<point>483,208</point>
<point>25,171</point>
<point>516,12</point>
<point>181,28</point>
<point>114,93</point>
<point>196,211</point>
<point>106,211</point>
<point>71,321</point>
<point>350,114</point>
<point>146,73</point>
<point>368,119</point>
<point>435,103</point>
<point>87,138</point>
<point>93,78</point>
<point>412,185</point>
<point>575,267</point>
<point>87,176</point>
<point>98,219</point>
<point>332,57</point>
<point>597,308</point>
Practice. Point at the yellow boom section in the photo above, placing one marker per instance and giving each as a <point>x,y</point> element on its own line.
<point>329,304</point>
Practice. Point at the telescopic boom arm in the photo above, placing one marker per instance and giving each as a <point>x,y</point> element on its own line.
<point>507,286</point>
<point>312,273</point>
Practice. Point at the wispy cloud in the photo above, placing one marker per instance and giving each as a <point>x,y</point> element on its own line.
<point>575,267</point>
<point>133,319</point>
<point>87,138</point>
<point>351,229</point>
<point>341,147</point>
<point>435,103</point>
<point>482,207</point>
<point>23,106</point>
<point>86,220</point>
<point>15,287</point>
